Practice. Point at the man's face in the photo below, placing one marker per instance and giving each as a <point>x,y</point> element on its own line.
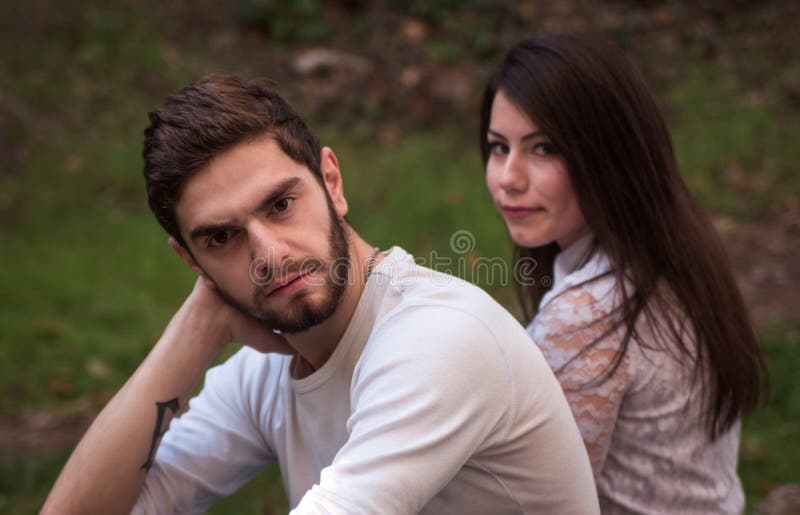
<point>269,236</point>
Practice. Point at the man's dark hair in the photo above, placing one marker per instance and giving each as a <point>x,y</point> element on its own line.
<point>207,118</point>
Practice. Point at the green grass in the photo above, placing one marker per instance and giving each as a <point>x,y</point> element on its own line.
<point>418,193</point>
<point>264,494</point>
<point>26,479</point>
<point>771,435</point>
<point>736,154</point>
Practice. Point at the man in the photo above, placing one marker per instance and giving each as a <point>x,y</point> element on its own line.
<point>379,386</point>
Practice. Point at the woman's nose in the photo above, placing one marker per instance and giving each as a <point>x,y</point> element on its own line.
<point>514,176</point>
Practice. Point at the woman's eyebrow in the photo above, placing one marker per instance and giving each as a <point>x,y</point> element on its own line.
<point>530,135</point>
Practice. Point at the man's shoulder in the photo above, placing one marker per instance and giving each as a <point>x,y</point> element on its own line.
<point>425,312</point>
<point>456,320</point>
<point>417,289</point>
<point>460,307</point>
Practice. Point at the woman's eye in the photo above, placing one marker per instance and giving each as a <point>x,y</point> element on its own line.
<point>283,204</point>
<point>498,149</point>
<point>544,149</point>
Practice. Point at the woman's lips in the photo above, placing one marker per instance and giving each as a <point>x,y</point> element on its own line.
<point>518,213</point>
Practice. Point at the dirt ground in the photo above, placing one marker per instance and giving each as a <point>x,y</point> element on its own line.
<point>766,259</point>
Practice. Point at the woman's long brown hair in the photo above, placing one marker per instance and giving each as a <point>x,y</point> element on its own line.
<point>599,113</point>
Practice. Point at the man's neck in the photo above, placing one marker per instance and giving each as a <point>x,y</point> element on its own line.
<point>315,345</point>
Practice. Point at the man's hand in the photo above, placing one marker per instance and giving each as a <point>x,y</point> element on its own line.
<point>226,323</point>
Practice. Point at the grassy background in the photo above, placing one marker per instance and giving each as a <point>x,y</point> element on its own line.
<point>87,282</point>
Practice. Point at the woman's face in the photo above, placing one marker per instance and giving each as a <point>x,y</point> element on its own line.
<point>528,180</point>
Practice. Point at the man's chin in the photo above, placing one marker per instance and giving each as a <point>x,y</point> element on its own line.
<point>297,322</point>
<point>300,313</point>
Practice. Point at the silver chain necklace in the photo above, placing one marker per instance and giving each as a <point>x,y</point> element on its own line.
<point>375,251</point>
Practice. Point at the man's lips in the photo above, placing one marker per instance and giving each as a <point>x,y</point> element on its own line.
<point>518,212</point>
<point>284,282</point>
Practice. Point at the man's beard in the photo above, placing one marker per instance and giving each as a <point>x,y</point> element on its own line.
<point>301,313</point>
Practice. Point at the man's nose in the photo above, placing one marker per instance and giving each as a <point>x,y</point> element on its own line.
<point>268,251</point>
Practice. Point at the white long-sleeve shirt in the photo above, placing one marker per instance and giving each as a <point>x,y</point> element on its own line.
<point>644,426</point>
<point>434,401</point>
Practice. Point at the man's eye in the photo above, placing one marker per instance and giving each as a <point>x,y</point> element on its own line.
<point>219,238</point>
<point>283,204</point>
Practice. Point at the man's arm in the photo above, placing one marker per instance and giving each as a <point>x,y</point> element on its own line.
<point>107,470</point>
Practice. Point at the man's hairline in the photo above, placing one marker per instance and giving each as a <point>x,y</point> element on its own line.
<point>319,179</point>
<point>267,133</point>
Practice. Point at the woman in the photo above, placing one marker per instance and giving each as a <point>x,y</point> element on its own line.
<point>627,288</point>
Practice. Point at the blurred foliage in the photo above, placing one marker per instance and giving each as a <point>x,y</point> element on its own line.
<point>467,27</point>
<point>736,155</point>
<point>299,22</point>
<point>471,28</point>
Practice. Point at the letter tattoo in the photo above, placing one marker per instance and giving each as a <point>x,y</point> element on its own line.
<point>158,433</point>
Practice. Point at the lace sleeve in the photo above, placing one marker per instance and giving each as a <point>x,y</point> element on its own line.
<point>565,327</point>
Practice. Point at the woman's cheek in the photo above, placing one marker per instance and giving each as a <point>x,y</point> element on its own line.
<point>553,184</point>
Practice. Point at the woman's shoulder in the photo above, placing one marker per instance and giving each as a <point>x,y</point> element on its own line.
<point>587,292</point>
<point>585,309</point>
<point>579,313</point>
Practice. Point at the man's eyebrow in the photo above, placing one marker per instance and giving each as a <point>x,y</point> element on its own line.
<point>273,196</point>
<point>530,135</point>
<point>277,192</point>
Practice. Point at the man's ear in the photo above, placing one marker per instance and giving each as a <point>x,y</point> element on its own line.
<point>333,180</point>
<point>189,260</point>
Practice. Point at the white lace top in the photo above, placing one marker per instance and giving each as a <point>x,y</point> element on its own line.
<point>642,427</point>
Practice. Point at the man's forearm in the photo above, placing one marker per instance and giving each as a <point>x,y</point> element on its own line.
<point>107,470</point>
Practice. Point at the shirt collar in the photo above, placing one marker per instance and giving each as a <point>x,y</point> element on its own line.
<point>572,258</point>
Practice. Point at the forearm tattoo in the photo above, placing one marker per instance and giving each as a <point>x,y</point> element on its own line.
<point>172,405</point>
